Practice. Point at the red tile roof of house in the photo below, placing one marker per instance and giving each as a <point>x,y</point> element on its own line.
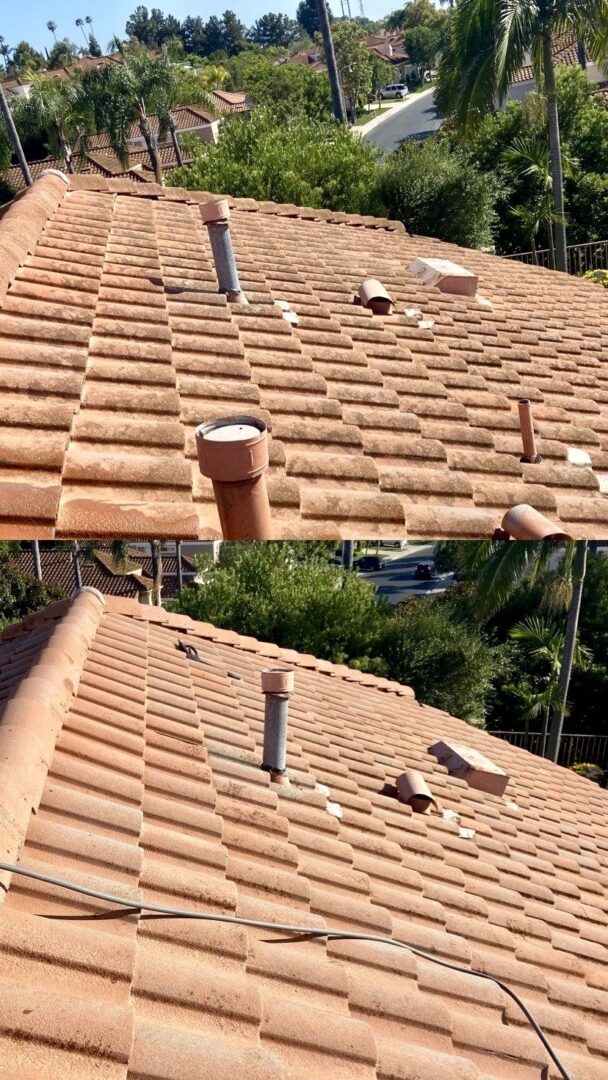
<point>114,345</point>
<point>98,572</point>
<point>133,770</point>
<point>564,52</point>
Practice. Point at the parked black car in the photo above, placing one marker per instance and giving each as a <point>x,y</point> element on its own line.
<point>370,563</point>
<point>424,571</point>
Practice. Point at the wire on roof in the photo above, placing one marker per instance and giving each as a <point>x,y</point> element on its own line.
<point>307,931</point>
<point>189,650</point>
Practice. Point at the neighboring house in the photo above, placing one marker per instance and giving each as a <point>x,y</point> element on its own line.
<point>100,571</point>
<point>95,154</point>
<point>133,767</point>
<point>115,345</point>
<point>388,46</point>
<point>564,52</point>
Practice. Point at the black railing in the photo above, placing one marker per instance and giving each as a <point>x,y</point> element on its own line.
<point>581,257</point>
<point>590,749</point>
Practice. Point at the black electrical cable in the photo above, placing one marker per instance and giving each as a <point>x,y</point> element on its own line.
<point>332,935</point>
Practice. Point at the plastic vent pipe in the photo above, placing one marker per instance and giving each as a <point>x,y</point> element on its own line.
<point>277,685</point>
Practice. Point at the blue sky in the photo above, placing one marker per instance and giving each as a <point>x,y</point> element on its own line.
<point>28,19</point>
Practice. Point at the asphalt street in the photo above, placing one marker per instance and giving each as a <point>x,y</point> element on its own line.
<point>397,582</point>
<point>420,117</point>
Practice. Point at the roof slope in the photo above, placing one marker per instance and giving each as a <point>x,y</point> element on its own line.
<point>154,789</point>
<point>114,345</point>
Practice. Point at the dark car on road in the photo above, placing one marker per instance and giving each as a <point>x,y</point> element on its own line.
<point>369,563</point>
<point>424,571</point>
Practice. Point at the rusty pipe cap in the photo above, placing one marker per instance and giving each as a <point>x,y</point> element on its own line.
<point>277,681</point>
<point>373,295</point>
<point>523,522</point>
<point>413,789</point>
<point>232,449</point>
<point>215,210</point>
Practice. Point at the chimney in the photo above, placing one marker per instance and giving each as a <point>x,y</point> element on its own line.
<point>233,454</point>
<point>277,685</point>
<point>215,216</point>
<point>528,436</point>
<point>523,522</point>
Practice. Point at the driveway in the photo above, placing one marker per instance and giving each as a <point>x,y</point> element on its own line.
<point>397,582</point>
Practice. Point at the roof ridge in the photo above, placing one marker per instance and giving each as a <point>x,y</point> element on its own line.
<point>173,620</point>
<point>23,221</point>
<point>32,717</point>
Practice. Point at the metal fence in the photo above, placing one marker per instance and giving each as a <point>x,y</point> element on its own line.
<point>591,749</point>
<point>581,257</point>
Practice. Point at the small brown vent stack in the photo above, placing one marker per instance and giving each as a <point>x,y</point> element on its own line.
<point>528,437</point>
<point>233,454</point>
<point>277,685</point>
<point>413,789</point>
<point>372,294</point>
<point>523,522</point>
<point>216,216</point>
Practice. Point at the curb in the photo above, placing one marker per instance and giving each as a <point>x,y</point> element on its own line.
<point>364,129</point>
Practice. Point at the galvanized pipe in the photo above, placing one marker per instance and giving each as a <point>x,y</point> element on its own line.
<point>223,257</point>
<point>274,756</point>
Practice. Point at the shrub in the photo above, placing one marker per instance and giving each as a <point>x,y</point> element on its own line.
<point>589,771</point>
<point>599,276</point>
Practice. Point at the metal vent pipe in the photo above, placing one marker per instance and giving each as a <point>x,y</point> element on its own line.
<point>277,685</point>
<point>216,215</point>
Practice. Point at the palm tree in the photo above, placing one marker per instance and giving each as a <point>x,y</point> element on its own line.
<point>543,640</point>
<point>52,26</point>
<point>531,159</point>
<point>58,107</point>
<point>5,51</point>
<point>89,21</point>
<point>490,42</point>
<point>130,93</point>
<point>500,566</point>
<point>80,25</point>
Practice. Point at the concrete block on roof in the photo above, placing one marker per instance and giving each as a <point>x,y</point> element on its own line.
<point>470,765</point>
<point>446,275</point>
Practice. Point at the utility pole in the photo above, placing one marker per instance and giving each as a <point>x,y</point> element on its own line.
<point>178,559</point>
<point>348,547</point>
<point>36,560</point>
<point>337,97</point>
<point>76,563</point>
<point>13,135</point>
<point>579,567</point>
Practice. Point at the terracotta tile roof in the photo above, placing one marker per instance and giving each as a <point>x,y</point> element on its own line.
<point>114,344</point>
<point>142,769</point>
<point>98,572</point>
<point>230,100</point>
<point>564,52</point>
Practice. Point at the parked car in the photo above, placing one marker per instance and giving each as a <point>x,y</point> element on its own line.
<point>424,571</point>
<point>395,90</point>
<point>399,544</point>
<point>369,563</point>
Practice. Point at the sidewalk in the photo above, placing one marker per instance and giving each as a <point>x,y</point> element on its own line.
<point>364,129</point>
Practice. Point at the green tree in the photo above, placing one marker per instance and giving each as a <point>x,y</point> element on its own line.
<point>20,593</point>
<point>448,664</point>
<point>490,41</point>
<point>286,89</point>
<point>355,64</point>
<point>25,58</point>
<point>530,157</point>
<point>193,35</point>
<point>121,95</point>
<point>56,107</point>
<point>503,565</point>
<point>308,17</point>
<point>52,27</point>
<point>437,191</point>
<point>94,46</point>
<point>63,53</point>
<point>422,44</point>
<point>273,29</point>
<point>297,160</point>
<point>143,27</point>
<point>296,600</point>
